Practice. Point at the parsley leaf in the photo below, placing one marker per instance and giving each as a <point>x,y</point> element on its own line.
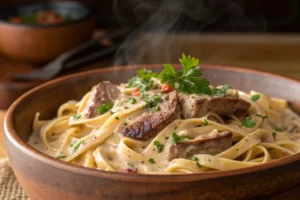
<point>255,97</point>
<point>61,157</point>
<point>130,165</point>
<point>176,138</point>
<point>278,129</point>
<point>274,134</point>
<point>205,122</point>
<point>146,74</point>
<point>132,100</point>
<point>159,146</point>
<point>78,116</point>
<point>188,79</point>
<point>104,108</point>
<point>168,75</point>
<point>261,116</point>
<point>151,102</point>
<point>188,62</point>
<point>75,145</point>
<point>151,160</point>
<point>197,163</point>
<point>220,92</point>
<point>143,80</point>
<point>248,122</point>
<point>195,159</point>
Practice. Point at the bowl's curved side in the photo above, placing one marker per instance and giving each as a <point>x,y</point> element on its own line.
<point>43,177</point>
<point>39,44</point>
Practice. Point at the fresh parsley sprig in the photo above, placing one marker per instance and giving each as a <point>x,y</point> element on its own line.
<point>188,79</point>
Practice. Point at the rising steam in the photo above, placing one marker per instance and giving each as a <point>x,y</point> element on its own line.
<point>157,24</point>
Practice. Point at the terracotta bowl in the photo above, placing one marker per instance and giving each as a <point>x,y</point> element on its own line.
<point>37,44</point>
<point>43,177</point>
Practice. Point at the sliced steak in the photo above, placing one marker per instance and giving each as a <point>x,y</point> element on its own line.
<point>102,93</point>
<point>212,144</point>
<point>196,106</point>
<point>149,124</point>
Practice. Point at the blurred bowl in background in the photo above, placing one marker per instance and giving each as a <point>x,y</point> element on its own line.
<point>39,42</point>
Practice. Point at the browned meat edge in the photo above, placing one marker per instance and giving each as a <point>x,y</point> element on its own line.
<point>192,108</point>
<point>149,124</point>
<point>212,146</point>
<point>102,93</point>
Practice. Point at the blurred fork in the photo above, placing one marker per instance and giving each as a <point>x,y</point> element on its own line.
<point>54,67</point>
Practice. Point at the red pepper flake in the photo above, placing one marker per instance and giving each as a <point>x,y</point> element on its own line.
<point>136,92</point>
<point>166,88</point>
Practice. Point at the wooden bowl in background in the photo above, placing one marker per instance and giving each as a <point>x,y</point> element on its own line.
<point>38,44</point>
<point>43,177</point>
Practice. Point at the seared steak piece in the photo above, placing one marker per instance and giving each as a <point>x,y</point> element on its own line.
<point>212,144</point>
<point>102,93</point>
<point>150,123</point>
<point>196,106</point>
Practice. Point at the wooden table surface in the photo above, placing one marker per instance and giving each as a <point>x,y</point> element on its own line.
<point>278,54</point>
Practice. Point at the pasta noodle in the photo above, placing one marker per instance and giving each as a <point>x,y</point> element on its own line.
<point>96,142</point>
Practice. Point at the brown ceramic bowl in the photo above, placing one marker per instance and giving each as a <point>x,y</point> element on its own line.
<point>37,44</point>
<point>43,177</point>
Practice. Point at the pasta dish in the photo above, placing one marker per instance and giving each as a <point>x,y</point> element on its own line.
<point>169,122</point>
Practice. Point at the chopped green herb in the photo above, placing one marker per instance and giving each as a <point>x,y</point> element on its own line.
<point>104,108</point>
<point>75,145</point>
<point>61,157</point>
<point>111,112</point>
<point>159,146</point>
<point>126,107</point>
<point>198,164</point>
<point>188,79</point>
<point>255,97</point>
<point>195,159</point>
<point>263,117</point>
<point>151,102</point>
<point>130,165</point>
<point>155,109</point>
<point>151,160</point>
<point>176,138</point>
<point>166,138</point>
<point>117,118</point>
<point>125,124</point>
<point>72,144</point>
<point>142,80</point>
<point>220,92</point>
<point>248,122</point>
<point>78,116</point>
<point>132,100</point>
<point>274,134</point>
<point>205,122</point>
<point>279,129</point>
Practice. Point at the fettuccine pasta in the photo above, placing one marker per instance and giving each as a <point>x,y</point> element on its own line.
<point>123,135</point>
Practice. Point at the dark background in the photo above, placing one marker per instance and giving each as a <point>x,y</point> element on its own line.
<point>197,15</point>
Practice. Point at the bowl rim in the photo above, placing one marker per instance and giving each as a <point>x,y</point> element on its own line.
<point>89,9</point>
<point>21,145</point>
